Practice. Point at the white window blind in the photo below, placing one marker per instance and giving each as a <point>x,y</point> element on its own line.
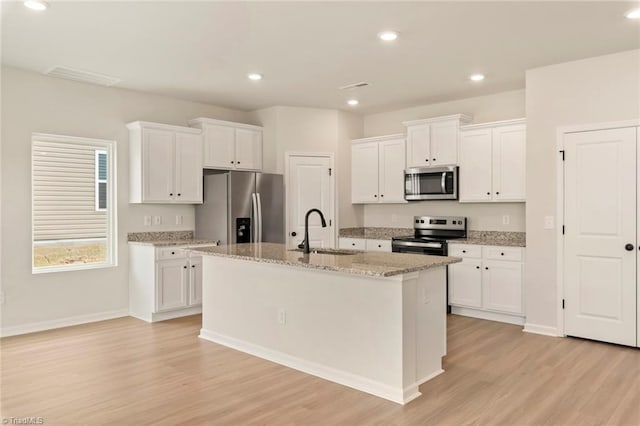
<point>73,220</point>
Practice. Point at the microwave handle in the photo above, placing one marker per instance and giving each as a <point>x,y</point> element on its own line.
<point>443,182</point>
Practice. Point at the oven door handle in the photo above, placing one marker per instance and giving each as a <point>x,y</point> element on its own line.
<point>443,182</point>
<point>425,245</point>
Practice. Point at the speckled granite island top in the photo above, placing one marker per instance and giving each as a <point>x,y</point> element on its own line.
<point>375,264</point>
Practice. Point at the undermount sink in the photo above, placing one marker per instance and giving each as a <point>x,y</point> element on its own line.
<point>334,252</point>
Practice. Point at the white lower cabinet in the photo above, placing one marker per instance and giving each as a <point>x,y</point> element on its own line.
<point>352,243</point>
<point>164,283</point>
<point>488,282</point>
<point>364,244</point>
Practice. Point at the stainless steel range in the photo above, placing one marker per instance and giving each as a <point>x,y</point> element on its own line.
<point>431,234</point>
<point>430,237</point>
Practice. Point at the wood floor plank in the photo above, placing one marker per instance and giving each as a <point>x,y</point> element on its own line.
<point>126,371</point>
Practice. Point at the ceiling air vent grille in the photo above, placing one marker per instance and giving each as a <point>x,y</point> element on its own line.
<point>80,75</point>
<point>354,85</point>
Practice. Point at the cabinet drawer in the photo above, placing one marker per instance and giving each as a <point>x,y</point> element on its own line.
<point>378,245</point>
<point>352,243</point>
<point>170,253</point>
<point>503,253</point>
<point>465,250</point>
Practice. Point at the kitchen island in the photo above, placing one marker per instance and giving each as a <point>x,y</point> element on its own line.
<point>372,321</point>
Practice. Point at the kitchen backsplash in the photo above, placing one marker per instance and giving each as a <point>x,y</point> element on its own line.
<point>482,216</point>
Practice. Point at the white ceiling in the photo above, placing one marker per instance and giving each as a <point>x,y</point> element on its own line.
<point>202,51</point>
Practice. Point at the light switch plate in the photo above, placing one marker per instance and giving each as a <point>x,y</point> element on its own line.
<point>506,219</point>
<point>548,222</point>
<point>157,220</point>
<point>147,221</point>
<point>179,219</point>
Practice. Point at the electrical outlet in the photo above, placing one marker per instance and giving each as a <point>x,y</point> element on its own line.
<point>147,221</point>
<point>548,222</point>
<point>506,219</point>
<point>2,297</point>
<point>179,219</point>
<point>157,220</point>
<point>282,316</point>
<point>426,298</point>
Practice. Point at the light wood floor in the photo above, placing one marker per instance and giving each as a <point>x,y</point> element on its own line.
<point>126,371</point>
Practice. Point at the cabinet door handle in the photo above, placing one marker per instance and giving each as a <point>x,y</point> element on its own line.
<point>353,244</point>
<point>185,266</point>
<point>173,252</point>
<point>238,162</point>
<point>501,254</point>
<point>497,193</point>
<point>380,245</point>
<point>477,267</point>
<point>486,268</point>
<point>433,159</point>
<point>294,233</point>
<point>426,159</point>
<point>232,162</point>
<point>381,195</point>
<point>171,194</point>
<point>193,266</point>
<point>464,251</point>
<point>179,194</point>
<point>488,193</point>
<point>375,196</point>
<point>628,247</point>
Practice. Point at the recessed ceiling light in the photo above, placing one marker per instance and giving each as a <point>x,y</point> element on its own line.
<point>633,14</point>
<point>353,102</point>
<point>38,5</point>
<point>388,35</point>
<point>476,77</point>
<point>254,76</point>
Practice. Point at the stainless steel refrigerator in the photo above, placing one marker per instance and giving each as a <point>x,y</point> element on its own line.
<point>242,207</point>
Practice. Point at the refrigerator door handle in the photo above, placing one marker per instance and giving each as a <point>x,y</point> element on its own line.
<point>259,233</point>
<point>254,211</point>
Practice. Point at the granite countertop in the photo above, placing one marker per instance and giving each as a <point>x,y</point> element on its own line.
<point>374,233</point>
<point>375,264</point>
<point>486,238</point>
<point>493,238</point>
<point>166,239</point>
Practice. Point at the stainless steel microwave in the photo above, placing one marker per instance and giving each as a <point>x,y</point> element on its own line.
<point>431,183</point>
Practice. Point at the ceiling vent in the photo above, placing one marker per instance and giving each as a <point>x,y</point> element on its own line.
<point>354,85</point>
<point>84,76</point>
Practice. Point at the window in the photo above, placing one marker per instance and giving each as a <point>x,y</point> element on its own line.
<point>73,203</point>
<point>101,180</point>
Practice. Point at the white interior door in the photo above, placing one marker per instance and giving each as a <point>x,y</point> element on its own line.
<point>600,245</point>
<point>310,184</point>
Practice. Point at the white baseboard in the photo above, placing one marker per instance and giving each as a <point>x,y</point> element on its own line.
<point>63,322</point>
<point>491,316</point>
<point>398,395</point>
<point>541,329</point>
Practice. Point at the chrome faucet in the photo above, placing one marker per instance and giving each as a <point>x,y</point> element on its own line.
<point>304,245</point>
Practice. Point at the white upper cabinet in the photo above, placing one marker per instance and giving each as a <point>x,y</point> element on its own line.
<point>377,169</point>
<point>165,164</point>
<point>434,141</point>
<point>509,162</point>
<point>493,162</point>
<point>475,165</point>
<point>364,173</point>
<point>229,145</point>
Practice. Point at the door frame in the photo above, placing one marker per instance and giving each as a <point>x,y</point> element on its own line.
<point>334,198</point>
<point>560,186</point>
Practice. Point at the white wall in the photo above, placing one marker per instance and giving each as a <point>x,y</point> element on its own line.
<point>488,217</point>
<point>298,129</point>
<point>36,103</point>
<point>595,90</point>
